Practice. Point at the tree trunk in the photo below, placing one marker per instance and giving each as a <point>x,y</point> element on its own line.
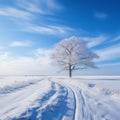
<point>70,71</point>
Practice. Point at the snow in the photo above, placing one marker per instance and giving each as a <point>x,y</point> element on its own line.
<point>59,98</point>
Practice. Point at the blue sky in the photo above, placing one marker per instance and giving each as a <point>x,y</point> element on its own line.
<point>31,28</point>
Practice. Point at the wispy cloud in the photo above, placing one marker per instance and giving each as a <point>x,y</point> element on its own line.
<point>25,14</point>
<point>109,53</point>
<point>15,13</point>
<point>110,64</point>
<point>100,15</point>
<point>31,6</point>
<point>49,29</point>
<point>27,20</point>
<point>39,6</point>
<point>116,38</point>
<point>20,44</point>
<point>24,9</point>
<point>95,41</point>
<point>53,4</point>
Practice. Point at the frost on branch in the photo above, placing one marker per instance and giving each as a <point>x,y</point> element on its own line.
<point>72,54</point>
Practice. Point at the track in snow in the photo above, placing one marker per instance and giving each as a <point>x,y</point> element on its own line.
<point>49,99</point>
<point>82,110</point>
<point>28,103</point>
<point>58,104</point>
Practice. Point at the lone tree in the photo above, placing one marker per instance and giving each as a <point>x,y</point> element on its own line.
<point>72,54</point>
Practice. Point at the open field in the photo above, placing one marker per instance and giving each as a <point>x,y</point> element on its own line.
<point>59,98</point>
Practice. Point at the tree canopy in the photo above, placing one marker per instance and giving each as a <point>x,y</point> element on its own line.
<point>72,54</point>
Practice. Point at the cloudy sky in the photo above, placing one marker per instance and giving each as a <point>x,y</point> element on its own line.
<point>29,30</point>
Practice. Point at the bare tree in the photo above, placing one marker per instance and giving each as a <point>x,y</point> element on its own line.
<point>72,54</point>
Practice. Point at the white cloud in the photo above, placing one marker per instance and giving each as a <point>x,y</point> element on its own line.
<point>94,41</point>
<point>24,9</point>
<point>15,13</point>
<point>48,29</point>
<point>43,52</point>
<point>31,6</point>
<point>110,64</point>
<point>110,53</point>
<point>53,5</point>
<point>25,13</point>
<point>6,56</point>
<point>20,44</point>
<point>40,64</point>
<point>39,6</point>
<point>100,15</point>
<point>116,38</point>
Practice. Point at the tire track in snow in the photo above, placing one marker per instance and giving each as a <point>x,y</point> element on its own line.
<point>61,102</point>
<point>60,106</point>
<point>54,109</point>
<point>76,114</point>
<point>86,109</point>
<point>47,105</point>
<point>72,103</point>
<point>82,110</point>
<point>38,105</point>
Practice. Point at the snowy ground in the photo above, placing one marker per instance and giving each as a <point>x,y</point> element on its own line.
<point>59,98</point>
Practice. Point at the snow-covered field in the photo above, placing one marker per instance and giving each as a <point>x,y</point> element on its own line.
<point>59,98</point>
